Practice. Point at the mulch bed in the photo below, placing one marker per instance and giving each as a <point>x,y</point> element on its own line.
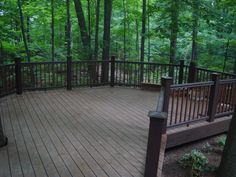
<point>173,169</point>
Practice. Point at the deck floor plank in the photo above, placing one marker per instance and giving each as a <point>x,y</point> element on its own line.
<point>96,141</point>
<point>86,132</point>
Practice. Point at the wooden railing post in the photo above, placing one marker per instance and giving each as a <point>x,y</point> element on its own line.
<point>165,84</point>
<point>18,77</point>
<point>141,72</point>
<point>3,138</point>
<point>213,99</point>
<point>157,136</point>
<point>155,146</point>
<point>192,72</point>
<point>181,71</point>
<point>112,71</point>
<point>69,73</point>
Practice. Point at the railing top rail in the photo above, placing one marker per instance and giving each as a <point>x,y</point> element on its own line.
<point>7,65</point>
<point>214,71</point>
<point>191,85</point>
<point>47,62</point>
<point>227,81</point>
<point>90,61</point>
<point>151,63</point>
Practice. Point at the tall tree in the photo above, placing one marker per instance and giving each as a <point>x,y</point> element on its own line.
<point>82,25</point>
<point>234,64</point>
<point>23,30</point>
<point>28,29</point>
<point>149,37</point>
<point>106,38</point>
<point>97,29</point>
<point>174,29</point>
<point>137,36</point>
<point>228,161</point>
<point>68,28</point>
<point>52,31</point>
<point>143,35</point>
<point>124,28</point>
<point>195,14</point>
<point>89,25</point>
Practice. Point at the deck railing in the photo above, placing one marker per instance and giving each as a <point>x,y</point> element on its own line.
<point>188,101</point>
<point>193,102</point>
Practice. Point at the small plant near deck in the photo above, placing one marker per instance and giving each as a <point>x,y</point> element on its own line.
<point>197,162</point>
<point>221,141</point>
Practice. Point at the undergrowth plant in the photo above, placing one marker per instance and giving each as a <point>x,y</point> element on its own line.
<point>197,162</point>
<point>221,141</point>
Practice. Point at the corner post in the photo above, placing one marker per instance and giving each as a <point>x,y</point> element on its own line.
<point>181,71</point>
<point>112,71</point>
<point>213,96</point>
<point>157,136</point>
<point>69,73</point>
<point>155,147</point>
<point>18,78</point>
<point>192,72</point>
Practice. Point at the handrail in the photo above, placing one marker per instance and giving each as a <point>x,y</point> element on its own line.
<point>192,85</point>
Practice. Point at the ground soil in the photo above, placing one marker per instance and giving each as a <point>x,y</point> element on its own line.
<point>173,169</point>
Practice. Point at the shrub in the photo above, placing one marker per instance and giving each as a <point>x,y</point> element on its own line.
<point>197,162</point>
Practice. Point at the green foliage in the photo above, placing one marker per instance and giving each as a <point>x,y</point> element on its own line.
<point>217,27</point>
<point>196,161</point>
<point>221,141</point>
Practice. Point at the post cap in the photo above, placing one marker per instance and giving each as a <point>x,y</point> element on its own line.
<point>166,79</point>
<point>157,115</point>
<point>215,75</point>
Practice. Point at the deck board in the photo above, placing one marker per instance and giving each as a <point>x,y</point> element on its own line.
<point>85,132</point>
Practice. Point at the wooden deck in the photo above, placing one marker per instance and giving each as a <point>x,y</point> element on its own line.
<point>85,132</point>
<point>91,132</point>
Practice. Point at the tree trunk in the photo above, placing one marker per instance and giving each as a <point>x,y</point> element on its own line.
<point>68,28</point>
<point>149,41</point>
<point>97,29</point>
<point>226,54</point>
<point>83,28</point>
<point>89,27</point>
<point>195,29</point>
<point>1,53</point>
<point>137,37</point>
<point>174,30</point>
<point>28,30</point>
<point>143,36</point>
<point>106,38</point>
<point>228,161</point>
<point>23,30</point>
<point>124,28</point>
<point>52,31</point>
<point>235,65</point>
